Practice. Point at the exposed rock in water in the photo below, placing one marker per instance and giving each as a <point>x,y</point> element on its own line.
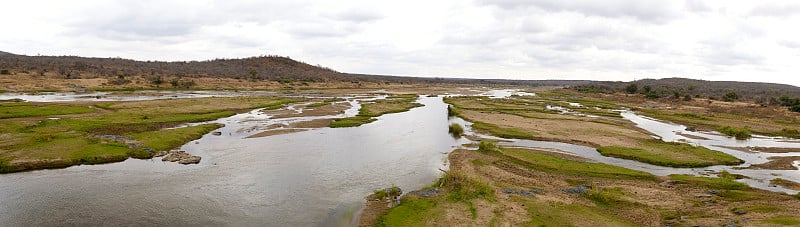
<point>181,157</point>
<point>217,133</point>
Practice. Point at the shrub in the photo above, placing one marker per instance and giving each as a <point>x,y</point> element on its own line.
<point>487,146</point>
<point>738,133</point>
<point>5,72</point>
<point>456,130</point>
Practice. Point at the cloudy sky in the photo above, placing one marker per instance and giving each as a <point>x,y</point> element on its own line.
<point>510,39</point>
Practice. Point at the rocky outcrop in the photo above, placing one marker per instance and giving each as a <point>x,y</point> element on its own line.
<point>179,156</point>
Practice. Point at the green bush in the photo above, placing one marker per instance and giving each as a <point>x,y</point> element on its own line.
<point>487,146</point>
<point>456,130</point>
<point>738,133</point>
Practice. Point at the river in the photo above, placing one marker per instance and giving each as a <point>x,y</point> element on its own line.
<point>317,177</point>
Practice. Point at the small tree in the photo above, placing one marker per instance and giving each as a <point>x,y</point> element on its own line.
<point>632,88</point>
<point>730,96</point>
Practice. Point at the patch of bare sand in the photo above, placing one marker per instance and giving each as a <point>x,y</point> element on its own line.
<point>275,132</point>
<point>325,110</point>
<point>764,149</point>
<point>690,136</point>
<point>572,131</point>
<point>777,163</point>
<point>318,123</point>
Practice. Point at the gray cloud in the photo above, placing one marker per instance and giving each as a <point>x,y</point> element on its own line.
<point>645,11</point>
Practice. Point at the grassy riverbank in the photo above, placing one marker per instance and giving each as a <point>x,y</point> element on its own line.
<point>530,118</point>
<point>522,187</point>
<point>369,111</point>
<point>56,135</point>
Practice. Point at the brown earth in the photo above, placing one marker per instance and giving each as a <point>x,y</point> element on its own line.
<point>778,163</point>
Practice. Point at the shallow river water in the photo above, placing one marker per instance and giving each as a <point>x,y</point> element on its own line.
<point>317,177</point>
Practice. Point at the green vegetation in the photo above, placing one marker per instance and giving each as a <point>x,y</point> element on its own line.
<point>510,133</point>
<point>411,212</point>
<point>171,138</point>
<point>25,109</point>
<point>73,139</point>
<point>783,220</point>
<point>455,129</point>
<point>738,133</point>
<point>368,111</point>
<point>553,213</point>
<point>383,193</point>
<point>462,188</point>
<point>551,164</point>
<point>727,183</point>
<point>351,121</point>
<point>671,154</point>
<point>487,146</point>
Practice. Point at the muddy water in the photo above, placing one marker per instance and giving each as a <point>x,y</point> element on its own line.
<point>315,177</point>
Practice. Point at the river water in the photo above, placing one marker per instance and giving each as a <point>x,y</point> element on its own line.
<point>315,177</point>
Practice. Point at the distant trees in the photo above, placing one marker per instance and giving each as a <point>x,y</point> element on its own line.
<point>730,96</point>
<point>632,88</point>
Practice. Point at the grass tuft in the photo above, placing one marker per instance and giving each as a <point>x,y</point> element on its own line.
<point>456,130</point>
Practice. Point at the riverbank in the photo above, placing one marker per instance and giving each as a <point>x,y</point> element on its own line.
<point>519,188</point>
<point>58,135</point>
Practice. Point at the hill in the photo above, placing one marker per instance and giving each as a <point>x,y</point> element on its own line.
<point>671,87</point>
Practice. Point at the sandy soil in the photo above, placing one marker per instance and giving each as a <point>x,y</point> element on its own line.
<point>778,163</point>
<point>326,110</point>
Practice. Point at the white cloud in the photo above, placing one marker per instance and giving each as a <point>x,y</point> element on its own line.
<point>511,39</point>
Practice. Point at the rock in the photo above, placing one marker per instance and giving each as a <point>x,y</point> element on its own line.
<point>521,192</point>
<point>578,189</point>
<point>160,154</point>
<point>217,133</point>
<point>691,129</point>
<point>190,160</point>
<point>739,212</point>
<point>427,193</point>
<point>179,156</point>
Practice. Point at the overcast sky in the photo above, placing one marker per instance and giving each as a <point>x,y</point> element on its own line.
<point>510,39</point>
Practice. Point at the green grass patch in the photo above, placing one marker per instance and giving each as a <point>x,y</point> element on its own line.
<point>24,109</point>
<point>455,129</point>
<point>783,220</point>
<point>462,188</point>
<point>547,163</point>
<point>510,133</point>
<point>552,213</point>
<point>607,197</point>
<point>726,183</point>
<point>671,154</point>
<point>487,146</point>
<point>163,140</point>
<point>410,212</point>
<point>351,121</point>
<point>738,133</point>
